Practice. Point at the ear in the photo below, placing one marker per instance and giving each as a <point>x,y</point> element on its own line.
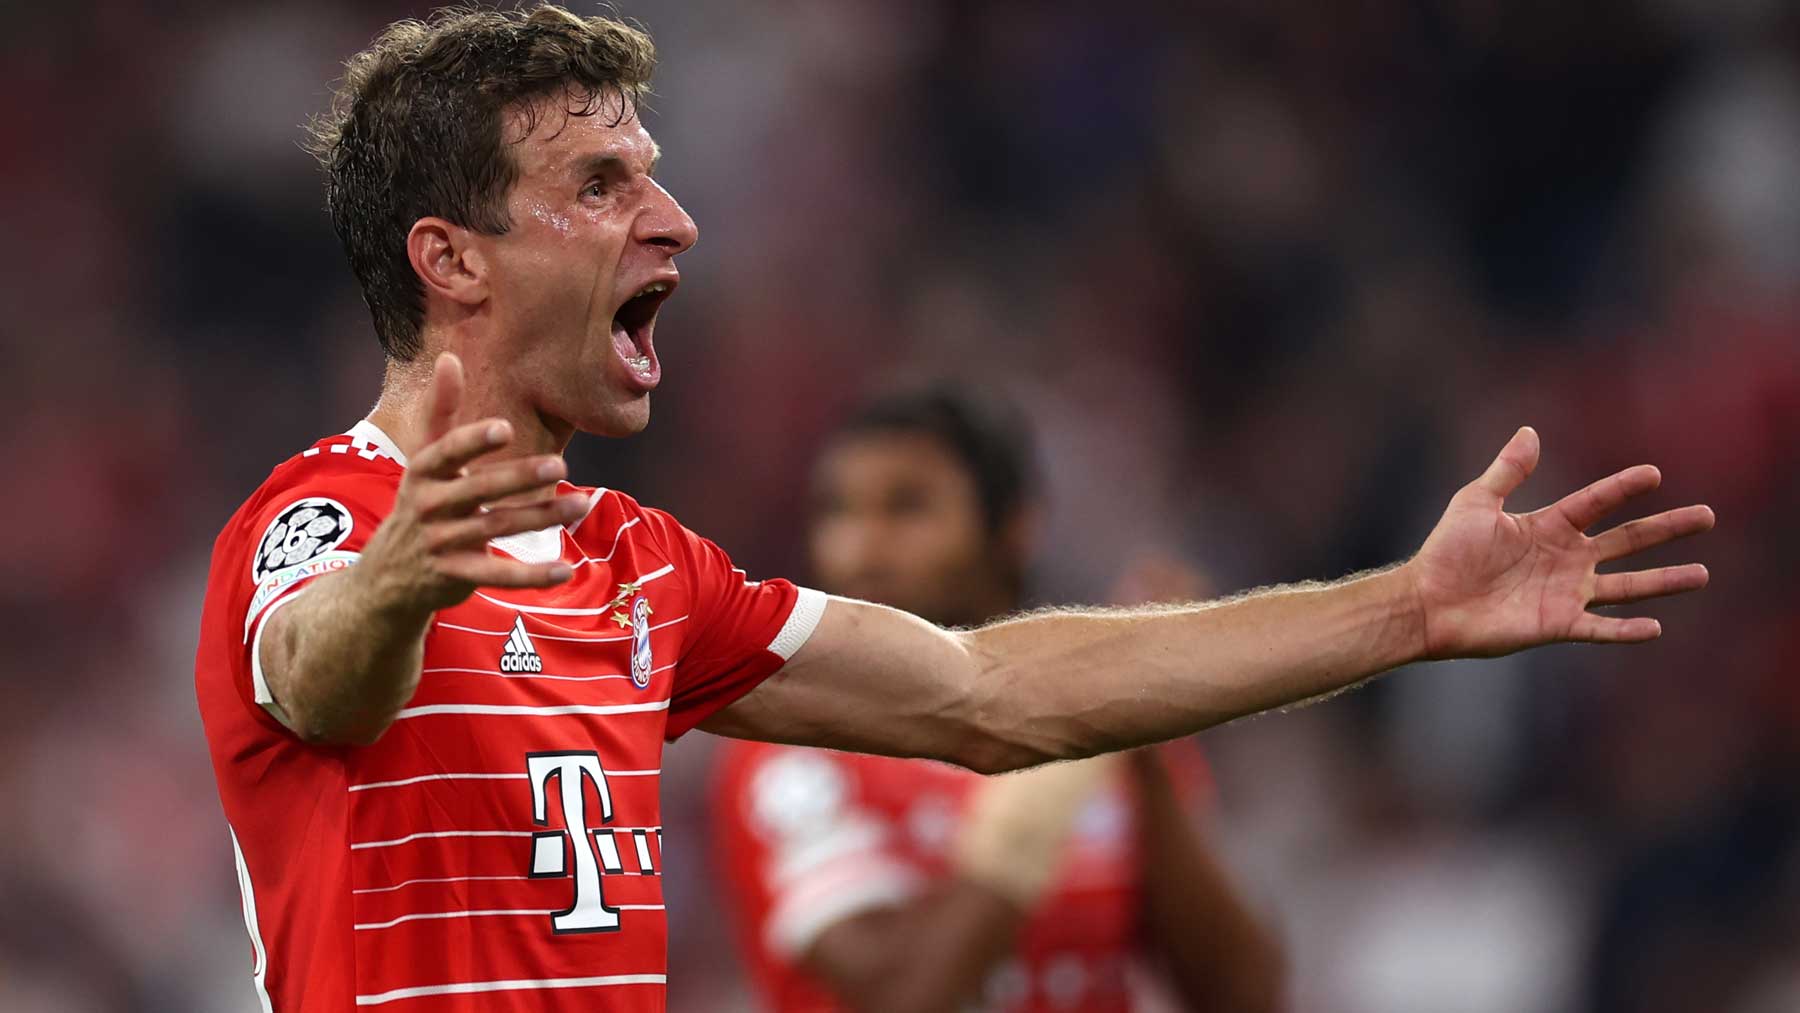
<point>447,261</point>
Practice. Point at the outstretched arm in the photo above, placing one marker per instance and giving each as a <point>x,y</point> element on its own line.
<point>934,952</point>
<point>1063,684</point>
<point>344,655</point>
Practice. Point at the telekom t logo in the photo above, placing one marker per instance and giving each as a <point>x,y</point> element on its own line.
<point>550,848</point>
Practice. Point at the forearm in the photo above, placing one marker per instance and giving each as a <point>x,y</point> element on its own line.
<point>1066,684</point>
<point>930,955</point>
<point>343,658</point>
<point>933,952</point>
<point>1215,952</point>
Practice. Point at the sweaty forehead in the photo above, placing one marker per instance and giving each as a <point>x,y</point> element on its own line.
<point>564,143</point>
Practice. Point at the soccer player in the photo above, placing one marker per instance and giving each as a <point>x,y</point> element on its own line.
<point>436,677</point>
<point>872,883</point>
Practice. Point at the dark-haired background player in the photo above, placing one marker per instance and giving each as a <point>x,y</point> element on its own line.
<point>872,883</point>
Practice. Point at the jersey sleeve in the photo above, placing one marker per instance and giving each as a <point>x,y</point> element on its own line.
<point>804,846</point>
<point>740,631</point>
<point>299,528</point>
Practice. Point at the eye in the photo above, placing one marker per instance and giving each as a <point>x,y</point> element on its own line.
<point>595,187</point>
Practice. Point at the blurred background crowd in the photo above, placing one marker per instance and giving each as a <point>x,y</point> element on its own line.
<point>1272,277</point>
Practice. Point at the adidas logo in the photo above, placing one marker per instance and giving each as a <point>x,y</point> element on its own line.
<point>520,655</point>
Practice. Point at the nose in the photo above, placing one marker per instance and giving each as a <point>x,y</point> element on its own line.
<point>663,223</point>
<point>851,551</point>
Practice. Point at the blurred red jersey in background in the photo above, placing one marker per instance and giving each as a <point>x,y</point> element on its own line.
<point>807,837</point>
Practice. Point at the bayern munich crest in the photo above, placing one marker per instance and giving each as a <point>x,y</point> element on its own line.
<point>642,662</point>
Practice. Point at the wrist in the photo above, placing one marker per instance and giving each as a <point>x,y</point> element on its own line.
<point>387,602</point>
<point>1405,608</point>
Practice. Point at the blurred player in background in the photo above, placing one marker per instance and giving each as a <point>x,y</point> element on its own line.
<point>872,883</point>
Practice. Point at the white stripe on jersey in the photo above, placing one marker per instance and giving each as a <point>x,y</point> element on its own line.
<point>367,785</point>
<point>360,845</point>
<point>593,501</point>
<point>434,915</point>
<point>545,610</point>
<point>259,964</point>
<point>538,675</point>
<point>425,915</point>
<point>524,711</point>
<point>548,611</point>
<point>527,675</point>
<point>615,545</point>
<point>443,879</point>
<point>654,574</point>
<point>470,987</point>
<point>546,636</point>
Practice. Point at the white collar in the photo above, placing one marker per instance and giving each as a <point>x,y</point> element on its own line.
<point>371,434</point>
<point>543,546</point>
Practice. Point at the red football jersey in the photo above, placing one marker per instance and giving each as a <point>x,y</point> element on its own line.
<point>807,837</point>
<point>500,847</point>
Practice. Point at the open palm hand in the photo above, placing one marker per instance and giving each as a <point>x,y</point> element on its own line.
<point>1491,582</point>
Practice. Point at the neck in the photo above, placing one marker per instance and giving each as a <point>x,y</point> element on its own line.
<point>403,410</point>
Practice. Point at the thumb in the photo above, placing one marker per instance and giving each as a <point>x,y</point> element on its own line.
<point>1517,460</point>
<point>445,397</point>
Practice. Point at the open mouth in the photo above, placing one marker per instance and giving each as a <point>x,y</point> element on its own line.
<point>631,329</point>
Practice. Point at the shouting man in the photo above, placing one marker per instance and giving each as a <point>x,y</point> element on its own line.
<point>436,677</point>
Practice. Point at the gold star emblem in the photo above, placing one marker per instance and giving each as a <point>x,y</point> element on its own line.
<point>626,590</point>
<point>622,619</point>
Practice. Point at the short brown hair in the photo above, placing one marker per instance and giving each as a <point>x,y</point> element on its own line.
<point>417,128</point>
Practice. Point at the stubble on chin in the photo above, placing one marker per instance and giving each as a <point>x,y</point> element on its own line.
<point>619,421</point>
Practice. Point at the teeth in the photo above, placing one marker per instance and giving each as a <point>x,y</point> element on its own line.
<point>654,288</point>
<point>640,363</point>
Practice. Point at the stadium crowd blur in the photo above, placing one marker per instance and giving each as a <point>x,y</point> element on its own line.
<point>1272,278</point>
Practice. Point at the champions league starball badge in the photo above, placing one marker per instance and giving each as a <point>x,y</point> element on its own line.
<point>307,529</point>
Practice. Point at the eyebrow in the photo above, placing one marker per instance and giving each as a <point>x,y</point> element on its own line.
<point>592,164</point>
